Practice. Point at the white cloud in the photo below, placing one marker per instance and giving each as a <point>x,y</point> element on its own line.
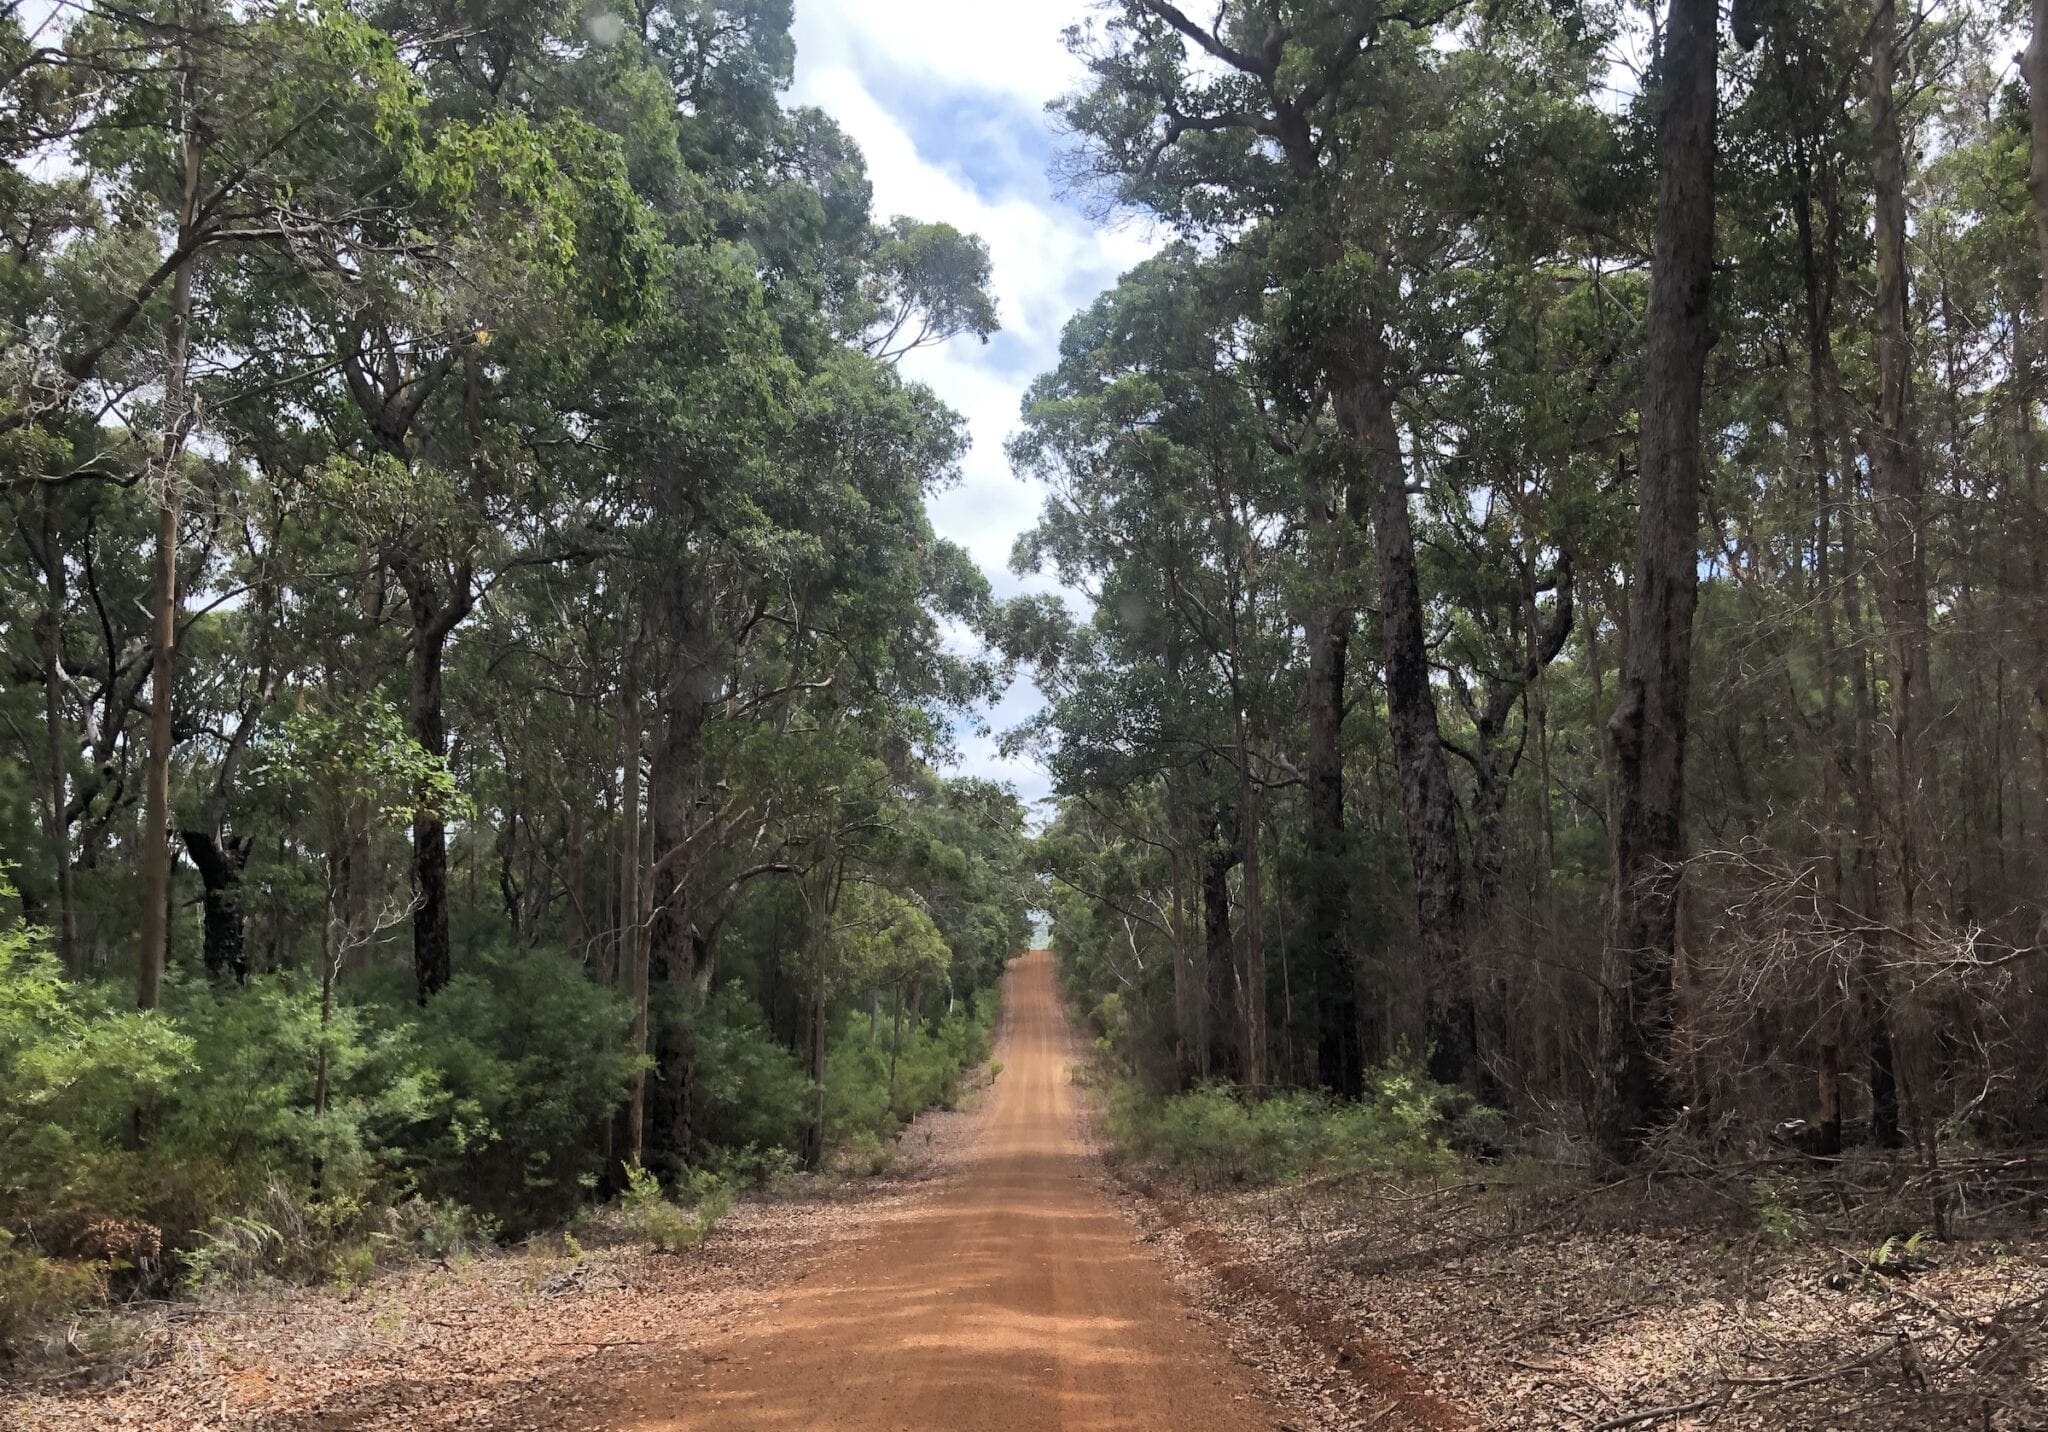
<point>1009,47</point>
<point>945,99</point>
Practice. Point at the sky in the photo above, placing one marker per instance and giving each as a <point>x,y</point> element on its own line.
<point>946,99</point>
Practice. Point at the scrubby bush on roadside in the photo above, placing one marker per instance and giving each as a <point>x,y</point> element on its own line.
<point>1214,1134</point>
<point>861,1097</point>
<point>750,1092</point>
<point>201,1144</point>
<point>661,1223</point>
<point>528,1056</point>
<point>74,1069</point>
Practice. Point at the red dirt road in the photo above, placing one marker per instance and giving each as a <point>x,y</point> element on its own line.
<point>1015,1300</point>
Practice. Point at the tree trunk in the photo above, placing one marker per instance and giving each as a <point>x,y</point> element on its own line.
<point>1429,806</point>
<point>632,935</point>
<point>219,861</point>
<point>1251,980</point>
<point>1340,1056</point>
<point>1829,1127</point>
<point>1221,1051</point>
<point>1647,732</point>
<point>820,902</point>
<point>2036,66</point>
<point>1187,1019</point>
<point>57,827</point>
<point>672,941</point>
<point>177,424</point>
<point>1896,477</point>
<point>573,878</point>
<point>432,960</point>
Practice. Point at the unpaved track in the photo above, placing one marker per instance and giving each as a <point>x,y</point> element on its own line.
<point>1016,1300</point>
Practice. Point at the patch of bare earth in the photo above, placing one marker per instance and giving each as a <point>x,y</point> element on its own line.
<point>1525,1301</point>
<point>523,1338</point>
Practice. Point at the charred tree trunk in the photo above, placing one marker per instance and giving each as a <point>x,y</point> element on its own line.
<point>220,861</point>
<point>1340,1054</point>
<point>1647,732</point>
<point>1429,806</point>
<point>433,618</point>
<point>1222,1053</point>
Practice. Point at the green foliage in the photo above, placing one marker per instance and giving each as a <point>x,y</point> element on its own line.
<point>35,1288</point>
<point>1898,1255</point>
<point>75,1068</point>
<point>750,1091</point>
<point>1778,1221</point>
<point>527,1056</point>
<point>652,1218</point>
<point>1214,1134</point>
<point>244,1115</point>
<point>928,1068</point>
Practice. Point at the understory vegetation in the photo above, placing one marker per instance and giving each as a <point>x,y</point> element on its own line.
<point>232,1135</point>
<point>1404,1125</point>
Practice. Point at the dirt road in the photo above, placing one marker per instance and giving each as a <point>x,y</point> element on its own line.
<point>1016,1300</point>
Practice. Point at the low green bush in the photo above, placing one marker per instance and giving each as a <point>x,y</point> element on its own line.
<point>35,1287</point>
<point>656,1220</point>
<point>929,1065</point>
<point>1214,1134</point>
<point>749,1092</point>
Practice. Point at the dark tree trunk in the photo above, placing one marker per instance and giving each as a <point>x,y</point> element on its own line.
<point>1340,1055</point>
<point>632,938</point>
<point>674,947</point>
<point>1429,806</point>
<point>1647,732</point>
<point>1221,857</point>
<point>432,959</point>
<point>219,862</point>
<point>1829,1081</point>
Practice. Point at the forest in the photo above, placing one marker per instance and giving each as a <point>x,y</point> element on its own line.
<point>477,671</point>
<point>1565,567</point>
<point>1540,600</point>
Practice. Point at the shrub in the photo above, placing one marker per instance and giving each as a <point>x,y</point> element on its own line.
<point>246,1110</point>
<point>749,1091</point>
<point>656,1221</point>
<point>770,1169</point>
<point>75,1068</point>
<point>520,1057</point>
<point>863,1154</point>
<point>1213,1134</point>
<point>35,1288</point>
<point>929,1066</point>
